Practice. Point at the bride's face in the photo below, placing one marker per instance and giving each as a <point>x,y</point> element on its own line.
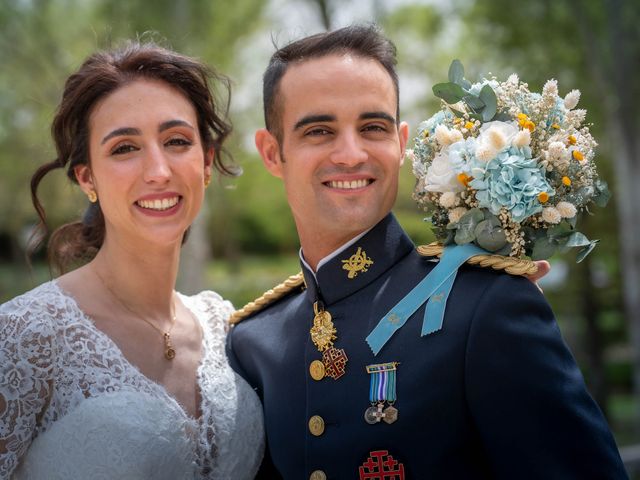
<point>147,163</point>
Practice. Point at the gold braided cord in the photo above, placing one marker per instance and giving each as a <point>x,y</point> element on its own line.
<point>277,292</point>
<point>514,266</point>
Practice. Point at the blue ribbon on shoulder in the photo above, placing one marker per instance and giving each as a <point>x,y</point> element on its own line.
<point>433,289</point>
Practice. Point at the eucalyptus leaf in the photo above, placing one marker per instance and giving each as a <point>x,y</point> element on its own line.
<point>503,117</point>
<point>603,194</point>
<point>506,250</point>
<point>577,239</point>
<point>559,233</point>
<point>466,84</point>
<point>489,236</point>
<point>474,102</point>
<point>582,254</point>
<point>471,218</point>
<point>466,226</point>
<point>449,92</point>
<point>488,97</point>
<point>464,235</point>
<point>456,72</point>
<point>457,113</point>
<point>572,221</point>
<point>543,249</point>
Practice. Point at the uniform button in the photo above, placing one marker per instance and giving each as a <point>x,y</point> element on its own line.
<point>318,475</point>
<point>316,369</point>
<point>316,425</point>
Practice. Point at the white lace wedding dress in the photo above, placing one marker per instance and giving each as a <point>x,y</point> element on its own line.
<point>72,407</point>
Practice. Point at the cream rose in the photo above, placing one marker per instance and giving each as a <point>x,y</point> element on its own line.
<point>440,175</point>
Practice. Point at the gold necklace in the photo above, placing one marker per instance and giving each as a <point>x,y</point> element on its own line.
<point>169,351</point>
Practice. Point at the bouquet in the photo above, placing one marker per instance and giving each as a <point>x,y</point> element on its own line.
<point>507,169</point>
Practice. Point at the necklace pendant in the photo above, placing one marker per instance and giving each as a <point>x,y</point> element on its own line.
<point>169,352</point>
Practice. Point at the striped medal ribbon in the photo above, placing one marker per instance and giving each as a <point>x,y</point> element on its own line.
<point>382,390</point>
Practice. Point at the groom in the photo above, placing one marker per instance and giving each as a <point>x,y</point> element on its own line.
<point>494,394</point>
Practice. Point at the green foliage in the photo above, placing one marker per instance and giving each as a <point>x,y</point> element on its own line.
<point>483,106</point>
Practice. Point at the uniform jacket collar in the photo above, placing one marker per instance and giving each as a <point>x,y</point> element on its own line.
<point>360,264</point>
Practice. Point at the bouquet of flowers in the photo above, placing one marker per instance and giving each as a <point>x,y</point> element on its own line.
<point>506,168</point>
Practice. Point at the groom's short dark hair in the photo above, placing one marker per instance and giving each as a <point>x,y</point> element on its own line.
<point>365,41</point>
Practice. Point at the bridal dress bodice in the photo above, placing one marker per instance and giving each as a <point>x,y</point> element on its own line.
<point>72,407</point>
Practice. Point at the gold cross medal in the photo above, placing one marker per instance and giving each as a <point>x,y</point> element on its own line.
<point>323,333</point>
<point>382,390</point>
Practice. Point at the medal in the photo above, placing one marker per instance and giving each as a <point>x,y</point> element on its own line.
<point>382,390</point>
<point>323,333</point>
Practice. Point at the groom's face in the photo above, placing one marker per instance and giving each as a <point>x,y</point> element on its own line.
<point>341,148</point>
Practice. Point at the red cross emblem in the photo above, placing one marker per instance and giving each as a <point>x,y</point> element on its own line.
<point>335,361</point>
<point>381,466</point>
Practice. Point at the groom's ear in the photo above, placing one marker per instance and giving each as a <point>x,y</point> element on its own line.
<point>269,150</point>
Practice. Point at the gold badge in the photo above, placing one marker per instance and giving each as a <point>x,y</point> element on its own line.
<point>323,333</point>
<point>358,262</point>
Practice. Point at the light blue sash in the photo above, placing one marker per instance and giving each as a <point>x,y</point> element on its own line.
<point>433,289</point>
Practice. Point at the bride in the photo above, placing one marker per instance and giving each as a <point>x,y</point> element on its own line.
<point>106,371</point>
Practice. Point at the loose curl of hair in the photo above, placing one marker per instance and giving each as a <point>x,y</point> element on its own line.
<point>100,75</point>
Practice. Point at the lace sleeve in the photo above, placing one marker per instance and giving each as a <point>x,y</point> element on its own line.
<point>26,378</point>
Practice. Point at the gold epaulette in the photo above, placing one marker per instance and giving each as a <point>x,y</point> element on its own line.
<point>511,265</point>
<point>270,296</point>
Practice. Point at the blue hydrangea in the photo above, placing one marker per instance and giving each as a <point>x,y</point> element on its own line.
<point>514,181</point>
<point>462,155</point>
<point>431,124</point>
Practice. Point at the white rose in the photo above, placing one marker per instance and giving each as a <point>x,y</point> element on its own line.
<point>440,175</point>
<point>494,136</point>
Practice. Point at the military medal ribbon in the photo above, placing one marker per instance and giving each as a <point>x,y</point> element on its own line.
<point>382,389</point>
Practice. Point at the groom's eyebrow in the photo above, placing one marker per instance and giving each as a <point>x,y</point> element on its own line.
<point>377,116</point>
<point>306,120</point>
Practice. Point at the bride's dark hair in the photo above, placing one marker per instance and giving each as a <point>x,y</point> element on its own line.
<point>100,75</point>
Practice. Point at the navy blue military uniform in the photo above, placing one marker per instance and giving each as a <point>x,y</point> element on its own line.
<point>494,394</point>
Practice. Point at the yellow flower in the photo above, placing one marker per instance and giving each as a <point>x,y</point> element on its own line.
<point>577,154</point>
<point>543,197</point>
<point>523,120</point>
<point>468,125</point>
<point>572,140</point>
<point>566,181</point>
<point>464,179</point>
<point>556,126</point>
<point>425,134</point>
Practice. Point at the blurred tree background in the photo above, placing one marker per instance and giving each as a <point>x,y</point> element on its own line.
<point>245,241</point>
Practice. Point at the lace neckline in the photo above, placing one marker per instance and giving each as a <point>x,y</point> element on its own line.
<point>161,389</point>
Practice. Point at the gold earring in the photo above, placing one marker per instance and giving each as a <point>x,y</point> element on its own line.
<point>207,181</point>
<point>92,196</point>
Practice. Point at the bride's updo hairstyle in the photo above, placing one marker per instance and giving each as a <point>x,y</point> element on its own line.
<point>100,75</point>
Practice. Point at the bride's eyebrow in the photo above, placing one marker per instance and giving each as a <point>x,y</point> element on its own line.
<point>174,123</point>
<point>120,132</point>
